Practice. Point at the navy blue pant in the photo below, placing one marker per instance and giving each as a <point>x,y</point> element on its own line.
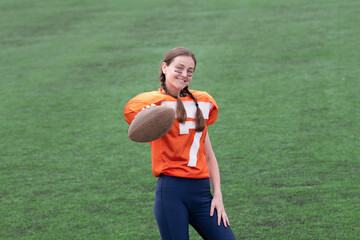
<point>180,201</point>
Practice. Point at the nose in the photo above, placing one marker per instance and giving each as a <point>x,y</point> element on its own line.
<point>184,74</point>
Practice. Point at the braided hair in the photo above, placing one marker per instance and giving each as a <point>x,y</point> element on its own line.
<point>180,109</point>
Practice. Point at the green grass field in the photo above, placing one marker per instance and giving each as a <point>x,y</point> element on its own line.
<point>285,75</point>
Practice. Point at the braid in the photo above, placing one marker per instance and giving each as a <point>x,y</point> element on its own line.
<point>180,111</point>
<point>162,80</point>
<point>199,119</point>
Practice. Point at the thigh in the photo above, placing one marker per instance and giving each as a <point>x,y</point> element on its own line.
<point>207,225</point>
<point>171,215</point>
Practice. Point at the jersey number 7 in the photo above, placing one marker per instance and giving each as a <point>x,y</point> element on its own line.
<point>184,129</point>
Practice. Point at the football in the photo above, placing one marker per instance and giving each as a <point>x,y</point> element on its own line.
<point>151,124</point>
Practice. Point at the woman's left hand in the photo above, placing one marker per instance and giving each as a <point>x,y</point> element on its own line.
<point>217,203</point>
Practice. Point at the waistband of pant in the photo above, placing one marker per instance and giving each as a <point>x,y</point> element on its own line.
<point>183,184</point>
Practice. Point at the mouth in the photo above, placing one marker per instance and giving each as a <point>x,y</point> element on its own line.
<point>182,80</point>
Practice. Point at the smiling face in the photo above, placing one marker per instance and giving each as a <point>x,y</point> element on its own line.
<point>178,74</point>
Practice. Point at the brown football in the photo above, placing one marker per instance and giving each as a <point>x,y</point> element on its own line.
<point>151,124</point>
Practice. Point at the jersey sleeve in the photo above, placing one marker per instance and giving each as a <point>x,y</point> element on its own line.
<point>213,111</point>
<point>136,104</point>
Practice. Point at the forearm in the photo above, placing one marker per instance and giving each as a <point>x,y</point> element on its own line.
<point>214,176</point>
<point>213,167</point>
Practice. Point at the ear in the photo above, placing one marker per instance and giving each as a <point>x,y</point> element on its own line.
<point>164,67</point>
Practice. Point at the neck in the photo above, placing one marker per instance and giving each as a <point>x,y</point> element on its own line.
<point>172,92</point>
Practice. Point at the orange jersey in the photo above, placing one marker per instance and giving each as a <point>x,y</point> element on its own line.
<point>181,151</point>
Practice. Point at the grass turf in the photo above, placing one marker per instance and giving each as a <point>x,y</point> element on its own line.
<point>284,74</point>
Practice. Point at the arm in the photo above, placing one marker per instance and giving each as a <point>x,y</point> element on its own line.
<point>217,201</point>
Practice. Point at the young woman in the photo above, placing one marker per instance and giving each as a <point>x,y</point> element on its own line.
<point>183,159</point>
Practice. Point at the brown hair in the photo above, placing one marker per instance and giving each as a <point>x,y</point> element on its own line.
<point>180,109</point>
